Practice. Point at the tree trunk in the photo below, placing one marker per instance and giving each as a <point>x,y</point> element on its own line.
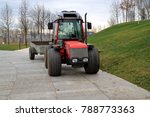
<point>41,31</point>
<point>26,38</point>
<point>148,14</point>
<point>126,16</point>
<point>8,35</point>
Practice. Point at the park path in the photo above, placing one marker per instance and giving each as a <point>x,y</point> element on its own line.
<point>21,78</point>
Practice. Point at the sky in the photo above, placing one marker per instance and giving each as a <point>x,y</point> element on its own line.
<point>98,10</point>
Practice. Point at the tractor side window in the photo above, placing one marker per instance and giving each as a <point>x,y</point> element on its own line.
<point>79,30</point>
<point>70,29</point>
<point>55,30</point>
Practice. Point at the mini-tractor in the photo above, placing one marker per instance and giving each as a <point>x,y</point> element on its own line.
<point>69,45</point>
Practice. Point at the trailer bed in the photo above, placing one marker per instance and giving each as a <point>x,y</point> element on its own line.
<point>39,46</point>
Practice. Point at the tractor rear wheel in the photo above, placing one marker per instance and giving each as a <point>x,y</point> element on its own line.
<point>45,58</point>
<point>92,67</point>
<point>54,62</point>
<point>31,53</point>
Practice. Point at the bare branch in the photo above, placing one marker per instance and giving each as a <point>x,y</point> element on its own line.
<point>24,18</point>
<point>6,20</point>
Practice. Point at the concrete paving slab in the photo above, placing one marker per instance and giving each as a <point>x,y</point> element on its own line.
<point>6,88</point>
<point>7,77</point>
<point>72,86</point>
<point>3,97</point>
<point>33,76</point>
<point>5,92</point>
<point>21,78</point>
<point>7,71</point>
<point>82,95</point>
<point>117,86</point>
<point>33,96</point>
<point>5,85</point>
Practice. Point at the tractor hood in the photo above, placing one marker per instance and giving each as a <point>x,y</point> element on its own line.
<point>76,49</point>
<point>75,44</point>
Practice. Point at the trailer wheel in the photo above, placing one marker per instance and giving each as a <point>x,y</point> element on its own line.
<point>45,58</point>
<point>54,62</point>
<point>92,67</point>
<point>31,53</point>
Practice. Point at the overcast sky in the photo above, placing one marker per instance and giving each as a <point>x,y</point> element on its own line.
<point>98,10</point>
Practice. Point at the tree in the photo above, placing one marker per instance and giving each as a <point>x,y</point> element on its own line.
<point>127,7</point>
<point>94,29</point>
<point>36,17</point>
<point>139,5</point>
<point>24,20</point>
<point>99,28</point>
<point>116,10</point>
<point>40,17</point>
<point>130,10</point>
<point>111,21</point>
<point>6,20</point>
<point>146,4</point>
<point>45,16</point>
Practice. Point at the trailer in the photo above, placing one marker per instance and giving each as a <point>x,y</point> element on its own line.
<point>37,47</point>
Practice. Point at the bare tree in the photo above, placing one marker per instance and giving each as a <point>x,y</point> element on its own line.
<point>127,6</point>
<point>36,17</point>
<point>146,4</point>
<point>131,15</point>
<point>6,20</point>
<point>116,10</point>
<point>111,21</point>
<point>53,16</point>
<point>140,6</point>
<point>24,20</point>
<point>45,16</point>
<point>130,10</point>
<point>41,16</point>
<point>99,28</point>
<point>94,29</point>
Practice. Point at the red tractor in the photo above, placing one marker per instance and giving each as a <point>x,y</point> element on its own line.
<point>69,45</point>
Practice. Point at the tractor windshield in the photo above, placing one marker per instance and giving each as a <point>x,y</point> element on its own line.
<point>70,29</point>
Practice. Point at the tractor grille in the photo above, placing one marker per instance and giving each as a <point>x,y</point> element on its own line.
<point>78,52</point>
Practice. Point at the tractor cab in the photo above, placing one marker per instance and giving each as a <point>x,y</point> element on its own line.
<point>69,25</point>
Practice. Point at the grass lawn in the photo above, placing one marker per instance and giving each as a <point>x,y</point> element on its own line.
<point>126,51</point>
<point>11,47</point>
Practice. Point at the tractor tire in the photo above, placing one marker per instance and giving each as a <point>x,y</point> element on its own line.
<point>31,53</point>
<point>45,58</point>
<point>93,65</point>
<point>54,62</point>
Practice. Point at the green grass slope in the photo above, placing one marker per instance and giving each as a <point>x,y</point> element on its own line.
<point>126,51</point>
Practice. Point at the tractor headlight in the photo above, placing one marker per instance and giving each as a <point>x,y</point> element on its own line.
<point>74,60</point>
<point>85,59</point>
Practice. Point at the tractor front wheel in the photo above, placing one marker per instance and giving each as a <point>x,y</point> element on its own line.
<point>92,67</point>
<point>54,62</point>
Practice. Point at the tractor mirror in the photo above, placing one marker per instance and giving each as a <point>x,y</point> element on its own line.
<point>89,24</point>
<point>50,26</point>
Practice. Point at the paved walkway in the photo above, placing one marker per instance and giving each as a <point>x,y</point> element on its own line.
<point>21,78</point>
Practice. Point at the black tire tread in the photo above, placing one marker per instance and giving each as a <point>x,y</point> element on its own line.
<point>31,53</point>
<point>93,65</point>
<point>54,62</point>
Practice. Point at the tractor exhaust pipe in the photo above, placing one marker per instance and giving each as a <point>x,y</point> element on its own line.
<point>85,28</point>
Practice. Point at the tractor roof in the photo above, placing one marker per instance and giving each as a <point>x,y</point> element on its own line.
<point>68,15</point>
